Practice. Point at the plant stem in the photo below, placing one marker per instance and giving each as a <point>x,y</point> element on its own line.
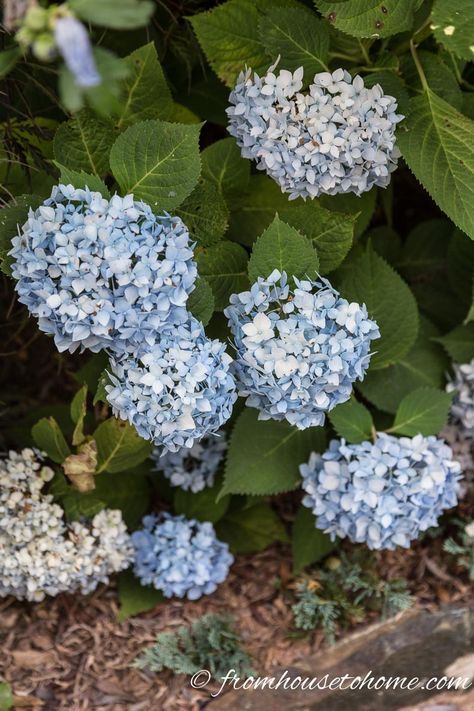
<point>418,66</point>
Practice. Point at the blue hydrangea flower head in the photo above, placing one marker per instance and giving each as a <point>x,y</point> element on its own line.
<point>193,469</point>
<point>72,40</point>
<point>180,557</point>
<point>339,137</point>
<point>177,391</point>
<point>462,409</point>
<point>298,351</point>
<point>383,494</point>
<point>102,273</point>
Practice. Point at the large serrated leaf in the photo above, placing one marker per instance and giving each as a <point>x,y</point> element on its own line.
<point>264,455</point>
<point>49,438</point>
<point>158,162</point>
<point>453,24</point>
<point>369,279</point>
<point>440,77</point>
<point>205,214</point>
<point>119,447</point>
<point>135,598</point>
<point>201,301</point>
<point>84,143</point>
<point>201,505</point>
<point>146,93</point>
<point>423,411</point>
<point>223,165</point>
<point>224,267</point>
<point>80,179</point>
<point>298,36</point>
<point>352,421</point>
<point>459,343</point>
<point>369,18</point>
<point>251,528</point>
<point>308,543</point>
<point>437,145</point>
<point>12,217</point>
<point>228,34</point>
<point>282,247</point>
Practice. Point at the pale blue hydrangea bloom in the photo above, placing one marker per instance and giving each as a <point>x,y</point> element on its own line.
<point>462,384</point>
<point>298,351</point>
<point>176,392</point>
<point>193,469</point>
<point>102,273</point>
<point>383,494</point>
<point>180,557</point>
<point>72,40</point>
<point>339,137</point>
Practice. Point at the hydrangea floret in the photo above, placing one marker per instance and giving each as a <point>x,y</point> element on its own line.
<point>41,554</point>
<point>180,557</point>
<point>72,40</point>
<point>383,494</point>
<point>339,137</point>
<point>299,350</point>
<point>462,384</point>
<point>193,469</point>
<point>102,273</point>
<point>178,391</point>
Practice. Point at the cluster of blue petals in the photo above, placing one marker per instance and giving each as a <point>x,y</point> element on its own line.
<point>193,469</point>
<point>383,494</point>
<point>102,273</point>
<point>180,557</point>
<point>178,390</point>
<point>298,352</point>
<point>339,137</point>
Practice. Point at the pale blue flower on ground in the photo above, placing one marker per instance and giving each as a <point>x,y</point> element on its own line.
<point>383,494</point>
<point>193,469</point>
<point>72,40</point>
<point>176,392</point>
<point>102,273</point>
<point>338,137</point>
<point>298,351</point>
<point>180,557</point>
<point>462,385</point>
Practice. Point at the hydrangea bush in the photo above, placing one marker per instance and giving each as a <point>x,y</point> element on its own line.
<point>235,273</point>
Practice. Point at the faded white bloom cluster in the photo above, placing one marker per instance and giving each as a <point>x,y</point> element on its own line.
<point>462,384</point>
<point>40,554</point>
<point>337,138</point>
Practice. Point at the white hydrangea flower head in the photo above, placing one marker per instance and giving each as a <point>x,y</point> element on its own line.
<point>41,554</point>
<point>193,469</point>
<point>383,493</point>
<point>177,391</point>
<point>102,273</point>
<point>299,350</point>
<point>462,384</point>
<point>339,137</point>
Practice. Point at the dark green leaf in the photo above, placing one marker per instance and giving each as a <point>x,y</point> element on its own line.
<point>352,421</point>
<point>13,217</point>
<point>224,267</point>
<point>8,60</point>
<point>49,438</point>
<point>369,18</point>
<point>117,14</point>
<point>424,411</point>
<point>135,598</point>
<point>440,78</point>
<point>223,165</point>
<point>201,302</point>
<point>308,543</point>
<point>453,24</point>
<point>80,179</point>
<point>205,214</point>
<point>84,143</point>
<point>251,529</point>
<point>119,446</point>
<point>203,505</point>
<point>459,343</point>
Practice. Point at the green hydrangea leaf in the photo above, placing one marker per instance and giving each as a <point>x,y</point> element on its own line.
<point>12,217</point>
<point>352,421</point>
<point>228,35</point>
<point>424,365</point>
<point>203,505</point>
<point>224,266</point>
<point>8,60</point>
<point>78,413</point>
<point>437,145</point>
<point>48,438</point>
<point>119,447</point>
<point>459,343</point>
<point>80,179</point>
<point>223,165</point>
<point>423,411</point>
<point>440,77</point>
<point>135,598</point>
<point>369,18</point>
<point>205,214</point>
<point>282,247</point>
<point>355,208</point>
<point>84,143</point>
<point>201,301</point>
<point>453,24</point>
<point>298,36</point>
<point>146,94</point>
<point>116,14</point>
<point>369,279</point>
<point>264,455</point>
<point>158,162</point>
<point>251,529</point>
<point>6,696</point>
<point>308,543</point>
